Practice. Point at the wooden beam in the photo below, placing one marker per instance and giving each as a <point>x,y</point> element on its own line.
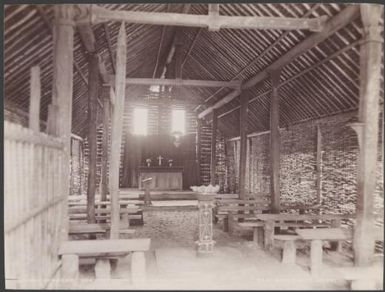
<point>319,166</point>
<point>331,26</point>
<point>108,39</point>
<point>105,143</point>
<point>100,14</point>
<point>48,25</point>
<point>370,75</point>
<point>162,101</point>
<point>116,130</point>
<point>214,13</point>
<point>220,103</point>
<point>171,52</point>
<point>243,145</point>
<point>274,144</point>
<point>199,148</point>
<point>262,55</point>
<point>322,62</point>
<point>190,48</point>
<point>159,51</point>
<point>213,161</point>
<point>178,82</point>
<point>87,36</point>
<point>62,95</point>
<point>34,101</point>
<point>93,93</point>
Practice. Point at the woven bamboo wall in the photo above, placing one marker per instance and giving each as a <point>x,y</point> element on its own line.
<point>35,198</point>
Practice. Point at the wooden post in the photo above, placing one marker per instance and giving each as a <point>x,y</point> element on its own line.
<point>34,102</point>
<point>243,145</point>
<point>61,117</point>
<point>138,268</point>
<point>316,257</point>
<point>116,130</point>
<point>370,63</point>
<point>213,163</point>
<point>318,166</point>
<point>106,124</point>
<point>199,148</point>
<point>274,143</point>
<point>93,93</point>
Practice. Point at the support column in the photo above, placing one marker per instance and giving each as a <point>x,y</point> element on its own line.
<point>106,129</point>
<point>116,130</point>
<point>318,166</point>
<point>61,116</point>
<point>213,162</point>
<point>243,145</point>
<point>93,93</point>
<point>274,143</point>
<point>34,102</point>
<point>199,149</point>
<point>370,63</point>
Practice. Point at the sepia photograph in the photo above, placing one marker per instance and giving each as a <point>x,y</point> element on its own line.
<point>193,146</point>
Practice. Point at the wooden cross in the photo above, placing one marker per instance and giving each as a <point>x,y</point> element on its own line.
<point>160,159</point>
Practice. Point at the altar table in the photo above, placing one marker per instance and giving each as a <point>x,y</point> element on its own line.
<point>163,177</point>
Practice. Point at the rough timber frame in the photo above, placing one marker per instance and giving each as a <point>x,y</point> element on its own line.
<point>331,26</point>
<point>214,21</point>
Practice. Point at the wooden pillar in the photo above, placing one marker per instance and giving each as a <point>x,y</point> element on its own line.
<point>199,149</point>
<point>106,127</point>
<point>34,102</point>
<point>93,93</point>
<point>274,143</point>
<point>213,163</point>
<point>116,130</point>
<point>370,63</point>
<point>243,145</point>
<point>318,166</point>
<point>61,116</point>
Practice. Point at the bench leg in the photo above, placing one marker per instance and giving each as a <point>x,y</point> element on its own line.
<point>336,245</point>
<point>316,256</point>
<point>102,269</point>
<point>230,224</point>
<point>138,268</point>
<point>258,235</point>
<point>125,222</point>
<point>69,269</point>
<point>269,235</point>
<point>289,252</point>
<point>226,224</point>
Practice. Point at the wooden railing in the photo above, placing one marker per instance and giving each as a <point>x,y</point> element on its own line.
<point>34,201</point>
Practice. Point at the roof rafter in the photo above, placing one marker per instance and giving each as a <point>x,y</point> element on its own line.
<point>331,26</point>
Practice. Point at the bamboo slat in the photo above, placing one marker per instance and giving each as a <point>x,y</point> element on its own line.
<point>34,196</point>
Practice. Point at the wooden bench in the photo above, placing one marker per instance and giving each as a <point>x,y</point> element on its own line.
<point>103,250</point>
<point>127,213</point>
<point>288,243</point>
<point>306,221</point>
<point>317,236</point>
<point>238,209</point>
<point>95,228</point>
<point>258,227</point>
<point>361,278</point>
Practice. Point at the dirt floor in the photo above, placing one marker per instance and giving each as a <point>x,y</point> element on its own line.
<point>236,263</point>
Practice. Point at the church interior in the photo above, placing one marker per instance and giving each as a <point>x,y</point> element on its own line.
<point>198,146</point>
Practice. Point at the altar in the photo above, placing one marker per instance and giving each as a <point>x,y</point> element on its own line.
<point>163,177</point>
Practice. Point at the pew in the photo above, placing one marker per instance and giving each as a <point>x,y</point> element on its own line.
<point>95,228</point>
<point>102,251</point>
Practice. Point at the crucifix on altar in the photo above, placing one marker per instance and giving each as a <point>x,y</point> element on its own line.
<point>164,176</point>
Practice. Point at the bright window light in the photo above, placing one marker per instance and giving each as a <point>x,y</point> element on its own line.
<point>178,121</point>
<point>140,121</point>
